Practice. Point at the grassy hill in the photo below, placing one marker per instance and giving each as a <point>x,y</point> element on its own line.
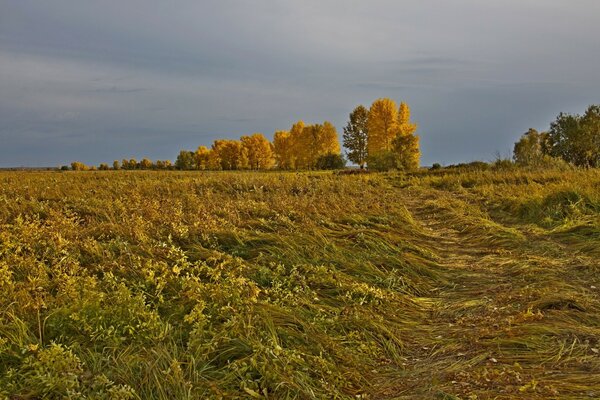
<point>171,285</point>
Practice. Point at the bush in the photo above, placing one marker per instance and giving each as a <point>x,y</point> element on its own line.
<point>383,161</point>
<point>331,161</point>
<point>436,166</point>
<point>503,164</point>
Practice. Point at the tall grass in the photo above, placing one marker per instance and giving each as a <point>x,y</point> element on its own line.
<point>299,285</point>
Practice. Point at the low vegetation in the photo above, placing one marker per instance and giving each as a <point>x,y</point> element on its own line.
<point>178,285</point>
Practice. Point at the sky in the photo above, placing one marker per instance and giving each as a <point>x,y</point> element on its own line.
<point>96,81</point>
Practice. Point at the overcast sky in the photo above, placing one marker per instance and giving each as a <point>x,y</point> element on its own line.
<point>101,80</point>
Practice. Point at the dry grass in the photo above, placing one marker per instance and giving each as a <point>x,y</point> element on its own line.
<point>311,285</point>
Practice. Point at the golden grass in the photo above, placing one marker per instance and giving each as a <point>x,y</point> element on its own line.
<point>300,285</point>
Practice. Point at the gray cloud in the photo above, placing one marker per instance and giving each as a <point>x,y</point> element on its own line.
<point>97,81</point>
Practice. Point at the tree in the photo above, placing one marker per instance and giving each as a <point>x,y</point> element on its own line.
<point>116,165</point>
<point>202,158</point>
<point>103,167</point>
<point>405,127</point>
<point>125,164</point>
<point>530,148</point>
<point>406,148</point>
<point>282,147</point>
<point>383,160</point>
<point>133,164</point>
<point>146,164</point>
<point>392,142</point>
<point>382,125</point>
<point>259,151</point>
<point>185,160</point>
<point>231,154</point>
<point>356,134</point>
<point>576,138</point>
<point>79,166</point>
<point>331,161</point>
<point>298,146</point>
<point>405,142</point>
<point>321,140</point>
<point>309,142</point>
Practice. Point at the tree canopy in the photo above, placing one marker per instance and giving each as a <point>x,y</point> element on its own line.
<point>391,139</point>
<point>576,138</point>
<point>356,134</point>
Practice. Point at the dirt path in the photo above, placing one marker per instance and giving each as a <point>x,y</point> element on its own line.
<point>514,321</point>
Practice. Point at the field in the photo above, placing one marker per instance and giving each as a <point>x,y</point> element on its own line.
<point>184,285</point>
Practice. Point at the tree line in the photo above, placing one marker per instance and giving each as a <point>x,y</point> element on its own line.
<point>382,137</point>
<point>574,139</point>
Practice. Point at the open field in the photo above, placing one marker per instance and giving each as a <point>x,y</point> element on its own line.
<point>175,285</point>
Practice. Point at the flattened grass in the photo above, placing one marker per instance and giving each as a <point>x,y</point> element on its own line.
<point>300,285</point>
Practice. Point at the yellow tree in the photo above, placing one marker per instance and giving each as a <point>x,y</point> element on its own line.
<point>202,157</point>
<point>315,141</point>
<point>407,150</point>
<point>258,150</point>
<point>146,164</point>
<point>79,166</point>
<point>405,127</point>
<point>406,143</point>
<point>231,154</point>
<point>298,147</point>
<point>382,124</point>
<point>282,149</point>
<point>328,142</point>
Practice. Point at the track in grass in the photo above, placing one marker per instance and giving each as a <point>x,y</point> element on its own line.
<point>162,285</point>
<point>519,317</point>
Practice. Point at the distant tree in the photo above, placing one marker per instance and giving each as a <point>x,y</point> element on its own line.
<point>392,142</point>
<point>331,161</point>
<point>405,142</point>
<point>282,148</point>
<point>530,148</point>
<point>163,164</point>
<point>133,164</point>
<point>407,152</point>
<point>312,142</point>
<point>125,164</point>
<point>65,168</point>
<point>383,160</point>
<point>382,125</point>
<point>79,166</point>
<point>298,146</point>
<point>259,151</point>
<point>356,135</point>
<point>185,160</point>
<point>576,138</point>
<point>103,167</point>
<point>146,164</point>
<point>405,126</point>
<point>202,158</point>
<point>319,140</point>
<point>116,165</point>
<point>231,154</point>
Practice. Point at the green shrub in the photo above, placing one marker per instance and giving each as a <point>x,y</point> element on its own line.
<point>331,161</point>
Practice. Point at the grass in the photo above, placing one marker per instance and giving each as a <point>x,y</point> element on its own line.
<point>165,285</point>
